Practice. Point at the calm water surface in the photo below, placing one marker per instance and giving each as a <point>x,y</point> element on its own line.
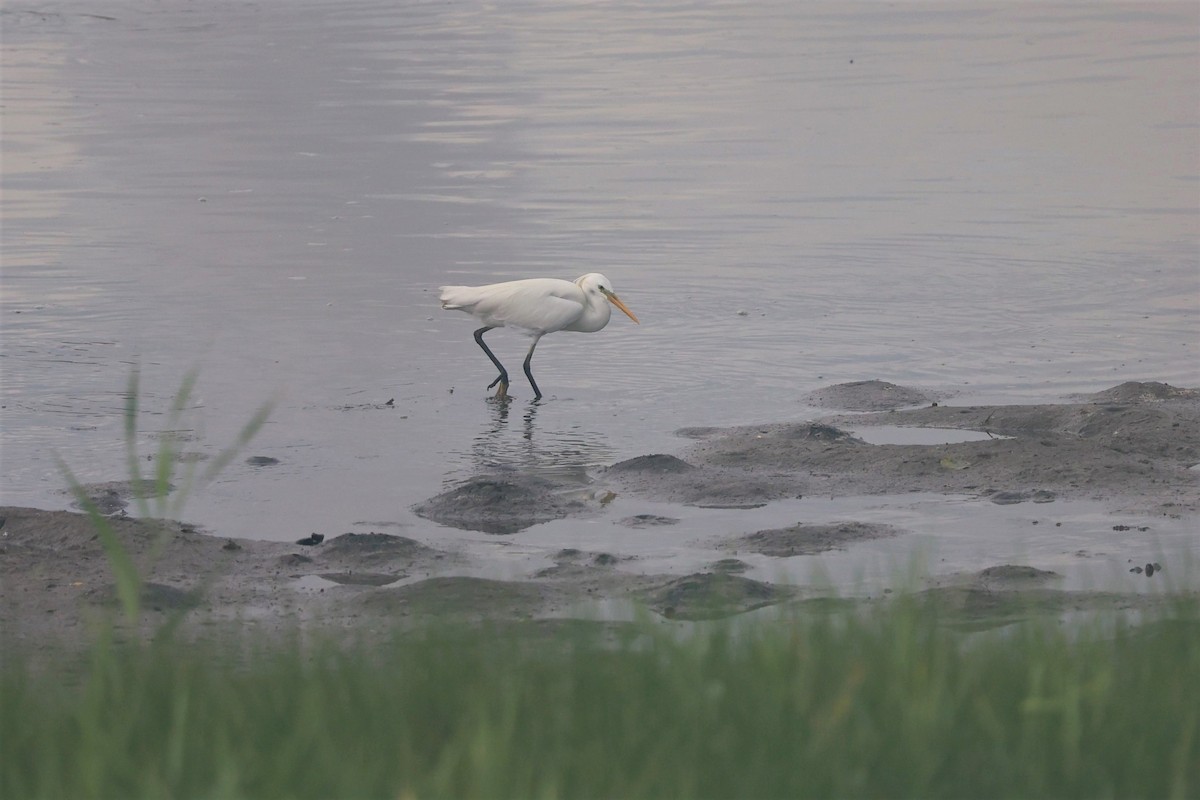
<point>1001,202</point>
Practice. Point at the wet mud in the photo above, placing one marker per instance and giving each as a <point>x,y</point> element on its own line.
<point>1135,446</point>
<point>501,504</point>
<point>805,540</point>
<point>1136,442</point>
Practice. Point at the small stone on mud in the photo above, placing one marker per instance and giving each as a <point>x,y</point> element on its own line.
<point>262,461</point>
<point>230,544</point>
<point>311,539</point>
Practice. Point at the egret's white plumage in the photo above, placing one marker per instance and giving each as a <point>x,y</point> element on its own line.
<point>537,306</point>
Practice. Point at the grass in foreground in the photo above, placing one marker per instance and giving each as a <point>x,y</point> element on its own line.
<point>889,704</point>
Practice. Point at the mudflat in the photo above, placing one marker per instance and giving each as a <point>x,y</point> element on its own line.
<point>1135,448</point>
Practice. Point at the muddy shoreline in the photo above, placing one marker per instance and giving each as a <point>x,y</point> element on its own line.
<point>1134,447</point>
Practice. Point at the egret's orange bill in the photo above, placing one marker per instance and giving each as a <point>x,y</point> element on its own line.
<point>616,301</point>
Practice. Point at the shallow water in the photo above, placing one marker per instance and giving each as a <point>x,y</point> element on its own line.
<point>900,434</point>
<point>1000,204</point>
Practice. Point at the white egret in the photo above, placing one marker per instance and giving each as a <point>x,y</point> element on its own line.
<point>537,306</point>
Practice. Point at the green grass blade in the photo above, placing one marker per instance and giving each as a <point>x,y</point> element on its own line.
<point>132,394</point>
<point>249,430</point>
<point>125,574</point>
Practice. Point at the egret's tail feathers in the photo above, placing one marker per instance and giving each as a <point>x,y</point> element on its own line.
<point>458,297</point>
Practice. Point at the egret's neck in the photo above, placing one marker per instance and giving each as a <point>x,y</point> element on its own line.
<point>595,316</point>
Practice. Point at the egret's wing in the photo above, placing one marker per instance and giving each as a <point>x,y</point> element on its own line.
<point>538,304</point>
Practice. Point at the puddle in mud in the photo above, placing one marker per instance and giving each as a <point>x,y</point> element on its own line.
<point>904,434</point>
<point>929,535</point>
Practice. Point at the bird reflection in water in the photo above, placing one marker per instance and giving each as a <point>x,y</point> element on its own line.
<point>515,441</point>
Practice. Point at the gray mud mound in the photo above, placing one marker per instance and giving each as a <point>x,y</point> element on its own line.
<point>674,480</point>
<point>655,464</point>
<point>1007,593</point>
<point>499,505</point>
<point>708,488</point>
<point>803,540</point>
<point>647,521</point>
<point>788,446</point>
<point>362,578</point>
<point>1015,576</point>
<point>1153,417</point>
<point>364,547</point>
<point>710,595</point>
<point>1142,392</point>
<point>866,396</point>
<point>369,559</point>
<point>1141,451</point>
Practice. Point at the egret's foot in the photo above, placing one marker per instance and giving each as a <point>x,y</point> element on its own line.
<point>501,378</point>
<point>502,392</point>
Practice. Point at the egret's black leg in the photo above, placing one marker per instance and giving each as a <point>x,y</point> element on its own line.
<point>537,393</point>
<point>503,377</point>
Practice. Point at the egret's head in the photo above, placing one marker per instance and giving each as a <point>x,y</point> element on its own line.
<point>594,281</point>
